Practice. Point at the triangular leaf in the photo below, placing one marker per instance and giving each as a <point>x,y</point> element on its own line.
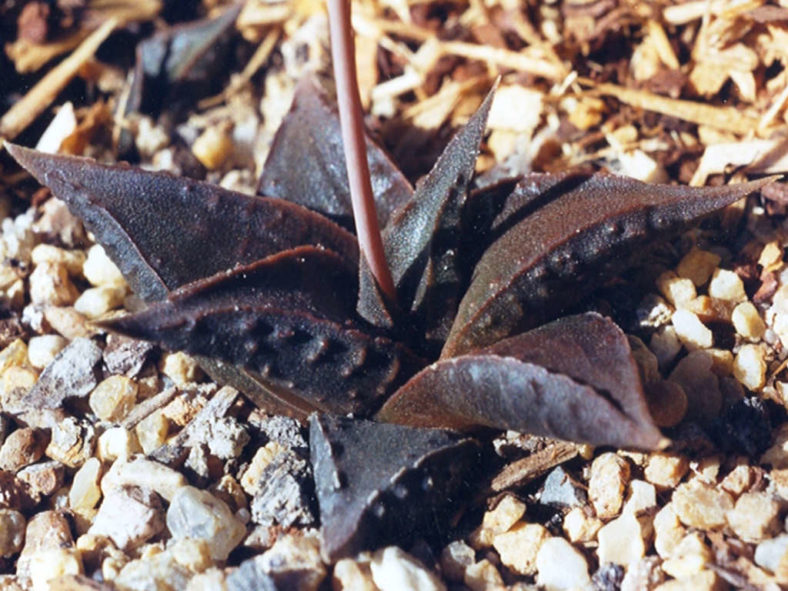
<point>164,231</point>
<point>559,237</point>
<point>287,318</point>
<point>378,484</point>
<point>572,379</point>
<point>310,136</point>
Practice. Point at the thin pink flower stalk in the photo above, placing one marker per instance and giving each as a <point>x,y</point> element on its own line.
<point>350,117</point>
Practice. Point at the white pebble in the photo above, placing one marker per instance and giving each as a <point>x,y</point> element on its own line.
<point>561,566</point>
<point>41,350</point>
<point>100,270</point>
<point>394,569</point>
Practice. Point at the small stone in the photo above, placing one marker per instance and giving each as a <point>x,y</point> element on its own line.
<point>665,470</point>
<point>643,575</point>
<point>213,147</point>
<point>676,290</point>
<point>152,431</point>
<point>561,566</point>
<point>393,569</point>
<point>12,532</point>
<point>706,580</point>
<point>127,356</point>
<point>117,443</point>
<point>210,580</point>
<point>727,285</point>
<point>653,311</point>
<point>483,576</point>
<point>294,562</point>
<point>13,355</point>
<point>58,222</point>
<point>100,270</point>
<point>770,553</point>
<point>579,526</point>
<point>155,571</point>
<point>691,331</point>
<point>748,322</point>
<point>701,506</point>
<point>85,492</point>
<point>624,540</point>
<point>251,478</point>
<point>43,478</point>
<point>698,265</point>
<point>350,575</point>
<point>180,368</point>
<point>754,517</point>
<point>501,518</point>
<point>667,402</point>
<point>695,376</point>
<point>561,490</point>
<point>113,398</point>
<point>72,260</point>
<point>129,516</point>
<point>608,577</point>
<point>642,498</point>
<point>518,547</point>
<point>21,448</point>
<point>143,473</point>
<point>689,557</point>
<point>13,493</point>
<point>194,513</point>
<point>710,310</point>
<point>665,344</point>
<point>16,383</point>
<point>41,350</point>
<point>749,367</point>
<point>740,479</point>
<point>95,302</point>
<point>283,492</point>
<point>52,563</point>
<point>45,530</point>
<point>609,478</point>
<point>455,559</point>
<point>68,322</point>
<point>72,442</point>
<point>73,373</point>
<point>668,531</point>
<point>226,438</point>
<point>49,285</point>
<point>250,576</point>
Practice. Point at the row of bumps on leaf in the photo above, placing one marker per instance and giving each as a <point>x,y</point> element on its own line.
<point>280,305</point>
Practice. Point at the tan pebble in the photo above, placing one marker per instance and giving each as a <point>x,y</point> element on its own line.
<point>668,531</point>
<point>455,558</point>
<point>85,492</point>
<point>754,517</point>
<point>580,527</point>
<point>698,265</point>
<point>739,480</point>
<point>665,345</point>
<point>42,478</point>
<point>294,561</point>
<point>180,368</point>
<point>14,355</point>
<point>676,290</point>
<point>117,443</point>
<point>695,376</point>
<point>113,398</point>
<point>561,566</point>
<point>706,580</point>
<point>777,455</point>
<point>43,349</point>
<point>152,431</point>
<point>483,576</point>
<point>250,480</point>
<point>350,575</point>
<point>498,520</point>
<point>701,506</point>
<point>727,285</point>
<point>691,331</point>
<point>212,579</point>
<point>212,147</point>
<point>642,498</point>
<point>68,322</point>
<point>49,285</point>
<point>15,382</point>
<point>772,254</point>
<point>95,302</point>
<point>519,546</point>
<point>72,442</point>
<point>143,473</point>
<point>709,309</point>
<point>747,321</point>
<point>667,402</point>
<point>72,260</point>
<point>666,469</point>
<point>12,531</point>
<point>749,367</point>
<point>45,530</point>
<point>623,540</point>
<point>706,470</point>
<point>192,553</point>
<point>606,485</point>
<point>21,448</point>
<point>689,557</point>
<point>100,270</point>
<point>52,563</point>
<point>15,295</point>
<point>643,575</point>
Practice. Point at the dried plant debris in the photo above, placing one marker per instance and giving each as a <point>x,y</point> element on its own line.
<point>123,466</point>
